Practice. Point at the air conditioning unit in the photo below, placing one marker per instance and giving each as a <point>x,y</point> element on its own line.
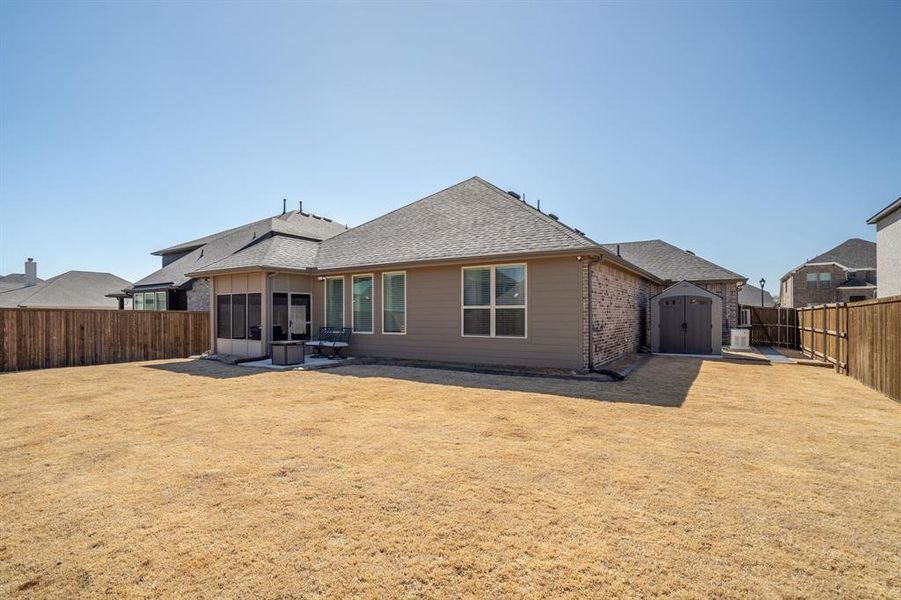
<point>741,339</point>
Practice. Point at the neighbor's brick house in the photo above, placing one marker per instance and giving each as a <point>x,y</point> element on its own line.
<point>846,273</point>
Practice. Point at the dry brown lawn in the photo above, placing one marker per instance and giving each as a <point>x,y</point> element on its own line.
<point>689,479</point>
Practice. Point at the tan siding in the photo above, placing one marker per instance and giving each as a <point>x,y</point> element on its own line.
<point>434,319</point>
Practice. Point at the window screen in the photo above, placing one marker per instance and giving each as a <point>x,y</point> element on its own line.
<point>239,316</point>
<point>161,301</point>
<point>254,316</point>
<point>138,301</point>
<point>224,316</point>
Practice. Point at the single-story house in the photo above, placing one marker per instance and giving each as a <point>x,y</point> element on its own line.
<point>888,248</point>
<point>846,273</point>
<point>470,274</point>
<point>72,289</point>
<point>672,265</point>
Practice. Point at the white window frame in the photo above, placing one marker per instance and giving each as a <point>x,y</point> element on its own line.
<point>325,300</point>
<point>406,308</point>
<point>371,306</point>
<point>493,306</point>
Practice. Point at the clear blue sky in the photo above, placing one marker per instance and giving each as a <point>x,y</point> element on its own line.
<point>755,134</point>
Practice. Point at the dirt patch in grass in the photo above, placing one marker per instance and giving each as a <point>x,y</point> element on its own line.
<point>693,478</point>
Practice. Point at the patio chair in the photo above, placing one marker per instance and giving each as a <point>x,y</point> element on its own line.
<point>326,336</point>
<point>340,340</point>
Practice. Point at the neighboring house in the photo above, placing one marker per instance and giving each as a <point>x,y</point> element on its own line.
<point>888,248</point>
<point>169,288</point>
<point>672,265</point>
<point>846,273</point>
<point>73,289</point>
<point>470,274</point>
<point>14,281</point>
<point>749,295</point>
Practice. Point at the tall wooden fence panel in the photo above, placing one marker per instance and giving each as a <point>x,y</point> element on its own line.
<point>36,338</point>
<point>862,339</point>
<point>771,326</point>
<point>874,349</point>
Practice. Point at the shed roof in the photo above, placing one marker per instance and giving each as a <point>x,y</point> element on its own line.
<point>671,263</point>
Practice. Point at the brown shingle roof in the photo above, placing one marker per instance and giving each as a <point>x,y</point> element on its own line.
<point>470,219</point>
<point>671,263</point>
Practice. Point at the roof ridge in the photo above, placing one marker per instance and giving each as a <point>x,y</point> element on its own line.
<point>424,198</point>
<point>535,212</point>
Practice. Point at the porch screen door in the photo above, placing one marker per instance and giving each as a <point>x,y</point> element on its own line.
<point>299,316</point>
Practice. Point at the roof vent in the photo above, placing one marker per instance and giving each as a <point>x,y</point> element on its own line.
<point>514,194</point>
<point>617,250</point>
<point>690,252</point>
<point>553,216</point>
<point>284,205</point>
<point>579,231</point>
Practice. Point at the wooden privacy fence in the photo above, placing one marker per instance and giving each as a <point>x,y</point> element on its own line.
<point>862,339</point>
<point>38,338</point>
<point>772,326</point>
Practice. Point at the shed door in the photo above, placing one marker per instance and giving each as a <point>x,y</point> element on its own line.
<point>697,321</point>
<point>685,325</point>
<point>672,319</point>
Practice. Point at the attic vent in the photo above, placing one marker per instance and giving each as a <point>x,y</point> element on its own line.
<point>326,219</point>
<point>514,194</point>
<point>579,231</point>
<point>553,216</point>
<point>690,252</point>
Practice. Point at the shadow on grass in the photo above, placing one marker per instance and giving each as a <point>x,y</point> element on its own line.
<point>207,368</point>
<point>660,381</point>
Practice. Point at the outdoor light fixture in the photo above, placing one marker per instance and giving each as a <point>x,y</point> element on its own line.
<point>762,283</point>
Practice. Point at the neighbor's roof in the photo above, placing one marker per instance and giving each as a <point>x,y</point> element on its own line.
<point>671,263</point>
<point>750,294</point>
<point>14,281</point>
<point>275,252</point>
<point>217,247</point>
<point>853,253</point>
<point>885,212</point>
<point>75,289</point>
<point>470,219</point>
<point>855,282</point>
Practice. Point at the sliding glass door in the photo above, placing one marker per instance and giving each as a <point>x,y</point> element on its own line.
<point>290,316</point>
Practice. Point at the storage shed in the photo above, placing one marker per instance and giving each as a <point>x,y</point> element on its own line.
<point>686,319</point>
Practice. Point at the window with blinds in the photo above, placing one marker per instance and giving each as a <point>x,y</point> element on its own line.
<point>334,302</point>
<point>394,302</point>
<point>362,303</point>
<point>494,301</point>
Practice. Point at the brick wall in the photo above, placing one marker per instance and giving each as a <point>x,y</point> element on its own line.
<point>824,293</point>
<point>199,295</point>
<point>619,312</point>
<point>728,291</point>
